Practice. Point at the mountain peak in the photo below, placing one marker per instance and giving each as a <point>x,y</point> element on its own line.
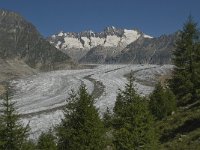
<point>21,40</point>
<point>110,28</point>
<point>73,42</point>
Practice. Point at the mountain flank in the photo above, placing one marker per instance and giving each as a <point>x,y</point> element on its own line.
<point>24,51</point>
<point>115,46</point>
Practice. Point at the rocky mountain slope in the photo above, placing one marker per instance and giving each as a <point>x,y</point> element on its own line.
<point>78,45</point>
<point>115,45</point>
<point>141,51</point>
<point>22,47</point>
<point>151,51</point>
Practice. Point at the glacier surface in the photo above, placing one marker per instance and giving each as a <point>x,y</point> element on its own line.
<point>40,98</point>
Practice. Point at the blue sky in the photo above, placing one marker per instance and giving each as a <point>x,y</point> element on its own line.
<point>154,17</point>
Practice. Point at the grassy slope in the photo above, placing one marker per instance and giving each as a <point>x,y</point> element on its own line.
<point>181,131</point>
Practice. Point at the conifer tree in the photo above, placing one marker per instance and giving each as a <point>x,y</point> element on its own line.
<point>46,141</point>
<point>107,119</point>
<point>125,97</point>
<point>12,133</point>
<point>1,134</point>
<point>162,102</point>
<point>133,122</point>
<point>81,127</point>
<point>29,145</point>
<point>186,79</point>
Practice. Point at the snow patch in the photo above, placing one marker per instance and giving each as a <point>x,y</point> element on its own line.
<point>58,45</point>
<point>86,42</point>
<point>71,42</point>
<point>95,41</point>
<point>60,34</point>
<point>147,36</point>
<point>129,37</point>
<point>112,41</point>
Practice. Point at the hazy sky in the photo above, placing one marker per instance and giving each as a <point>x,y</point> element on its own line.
<point>154,17</point>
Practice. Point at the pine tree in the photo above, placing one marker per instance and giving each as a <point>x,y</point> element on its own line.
<point>46,141</point>
<point>133,122</point>
<point>162,102</point>
<point>186,78</point>
<point>12,133</point>
<point>81,127</point>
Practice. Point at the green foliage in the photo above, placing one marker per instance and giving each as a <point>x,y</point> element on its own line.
<point>46,141</point>
<point>107,119</point>
<point>162,102</point>
<point>124,98</point>
<point>81,127</point>
<point>133,123</point>
<point>12,133</point>
<point>29,145</point>
<point>185,82</point>
<point>1,141</point>
<point>181,130</point>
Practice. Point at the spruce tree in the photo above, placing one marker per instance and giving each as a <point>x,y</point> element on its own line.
<point>107,119</point>
<point>162,102</point>
<point>185,79</point>
<point>81,127</point>
<point>125,97</point>
<point>196,76</point>
<point>133,122</point>
<point>12,133</point>
<point>1,134</point>
<point>46,141</point>
<point>29,145</point>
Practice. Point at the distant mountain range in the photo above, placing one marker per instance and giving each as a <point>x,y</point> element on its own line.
<point>23,50</point>
<point>114,45</point>
<point>77,45</point>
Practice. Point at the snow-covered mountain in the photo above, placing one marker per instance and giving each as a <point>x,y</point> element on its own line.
<point>77,45</point>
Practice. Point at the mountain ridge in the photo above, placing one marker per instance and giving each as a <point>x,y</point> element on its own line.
<point>81,42</point>
<point>22,46</point>
<point>115,45</point>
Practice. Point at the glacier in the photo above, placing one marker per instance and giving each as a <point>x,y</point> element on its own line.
<point>40,98</point>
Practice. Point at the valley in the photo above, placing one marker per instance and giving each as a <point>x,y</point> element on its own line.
<point>40,98</point>
<point>103,75</point>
